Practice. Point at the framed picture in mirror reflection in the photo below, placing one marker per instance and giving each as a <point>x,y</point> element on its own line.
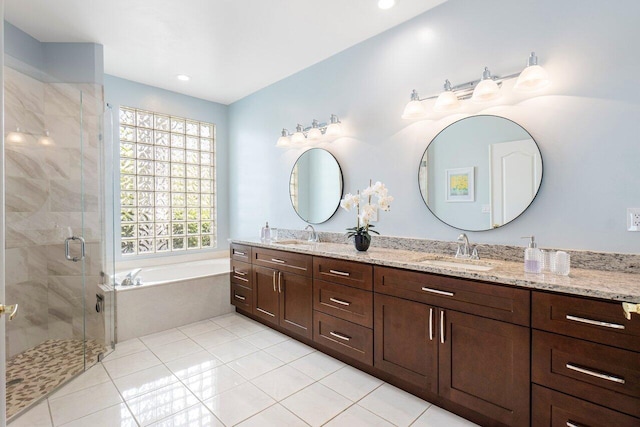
<point>460,184</point>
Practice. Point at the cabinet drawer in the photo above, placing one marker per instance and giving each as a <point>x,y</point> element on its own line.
<point>241,297</point>
<point>553,409</point>
<point>601,374</point>
<point>348,338</point>
<point>344,272</point>
<point>354,305</point>
<point>241,274</point>
<point>240,252</point>
<point>469,296</point>
<point>593,320</point>
<point>283,261</point>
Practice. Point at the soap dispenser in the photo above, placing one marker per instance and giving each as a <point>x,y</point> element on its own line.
<point>265,234</point>
<point>532,257</point>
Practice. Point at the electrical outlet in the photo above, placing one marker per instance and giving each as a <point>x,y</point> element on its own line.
<point>633,219</point>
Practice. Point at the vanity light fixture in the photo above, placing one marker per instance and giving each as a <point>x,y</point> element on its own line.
<point>486,89</point>
<point>46,139</point>
<point>312,133</point>
<point>16,137</point>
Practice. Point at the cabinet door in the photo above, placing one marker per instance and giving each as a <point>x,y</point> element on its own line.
<point>296,303</point>
<point>265,294</point>
<point>484,366</point>
<point>405,340</point>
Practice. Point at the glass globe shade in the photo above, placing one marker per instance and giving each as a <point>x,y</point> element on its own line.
<point>333,130</point>
<point>314,134</point>
<point>414,110</point>
<point>447,101</point>
<point>297,138</point>
<point>487,90</point>
<point>283,142</point>
<point>532,78</point>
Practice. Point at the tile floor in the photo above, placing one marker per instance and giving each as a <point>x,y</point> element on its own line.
<point>228,371</point>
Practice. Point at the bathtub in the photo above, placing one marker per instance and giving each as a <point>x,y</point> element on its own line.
<point>172,295</point>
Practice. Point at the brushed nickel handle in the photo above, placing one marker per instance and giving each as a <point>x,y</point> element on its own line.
<point>279,261</point>
<point>431,324</point>
<point>340,273</point>
<point>265,312</point>
<point>442,326</point>
<point>342,337</point>
<point>240,273</point>
<point>240,297</point>
<point>279,282</point>
<point>67,250</point>
<point>339,301</point>
<point>596,374</point>
<point>438,292</point>
<point>572,424</point>
<point>11,309</point>
<point>241,278</point>
<point>239,253</point>
<point>594,322</point>
<point>274,281</point>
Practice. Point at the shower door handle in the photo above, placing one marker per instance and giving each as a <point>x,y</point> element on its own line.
<point>11,309</point>
<point>67,250</point>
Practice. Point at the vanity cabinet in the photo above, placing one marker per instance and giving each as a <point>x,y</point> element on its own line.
<point>468,358</point>
<point>585,353</point>
<point>241,285</point>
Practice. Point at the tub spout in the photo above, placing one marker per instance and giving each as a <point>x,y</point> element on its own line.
<point>129,279</point>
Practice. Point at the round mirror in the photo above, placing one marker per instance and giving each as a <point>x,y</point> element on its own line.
<point>480,173</point>
<point>315,186</point>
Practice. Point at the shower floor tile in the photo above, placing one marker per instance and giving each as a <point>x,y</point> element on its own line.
<point>39,370</point>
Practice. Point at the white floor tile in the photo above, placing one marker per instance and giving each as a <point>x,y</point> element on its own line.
<point>394,405</point>
<point>255,364</point>
<point>162,338</point>
<point>195,416</point>
<point>316,404</point>
<point>193,364</point>
<point>93,376</point>
<point>144,381</point>
<point>213,338</point>
<point>176,350</point>
<point>289,350</point>
<point>126,348</point>
<point>274,416</point>
<point>38,416</point>
<point>127,365</point>
<point>242,329</point>
<point>282,382</point>
<point>199,328</point>
<point>210,383</point>
<point>239,403</point>
<point>232,350</point>
<point>357,416</point>
<point>317,365</point>
<point>83,402</point>
<point>266,338</point>
<point>435,417</point>
<point>351,383</point>
<point>227,319</point>
<point>113,416</point>
<point>161,403</point>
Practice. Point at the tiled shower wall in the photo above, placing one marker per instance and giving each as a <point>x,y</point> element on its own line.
<point>44,197</point>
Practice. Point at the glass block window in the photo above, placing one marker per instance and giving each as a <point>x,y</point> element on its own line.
<point>167,183</point>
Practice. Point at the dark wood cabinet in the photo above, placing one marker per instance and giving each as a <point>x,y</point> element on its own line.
<point>345,337</point>
<point>266,296</point>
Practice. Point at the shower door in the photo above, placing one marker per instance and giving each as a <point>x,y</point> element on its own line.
<point>54,247</point>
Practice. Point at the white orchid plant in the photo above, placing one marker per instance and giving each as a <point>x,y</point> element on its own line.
<point>366,208</point>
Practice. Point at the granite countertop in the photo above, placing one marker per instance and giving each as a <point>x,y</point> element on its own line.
<point>585,282</point>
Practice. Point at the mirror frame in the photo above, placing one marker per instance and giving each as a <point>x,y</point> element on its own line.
<point>523,210</point>
<point>341,186</point>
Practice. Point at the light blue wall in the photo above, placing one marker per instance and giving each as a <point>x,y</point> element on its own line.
<point>587,128</point>
<point>120,92</point>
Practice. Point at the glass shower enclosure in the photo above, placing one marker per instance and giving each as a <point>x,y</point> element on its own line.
<point>57,267</point>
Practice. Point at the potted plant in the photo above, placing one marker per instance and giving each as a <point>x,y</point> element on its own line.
<point>366,211</point>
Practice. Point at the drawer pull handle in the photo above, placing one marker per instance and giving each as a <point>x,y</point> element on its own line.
<point>240,297</point>
<point>265,312</point>
<point>340,273</point>
<point>594,322</point>
<point>342,337</point>
<point>438,292</point>
<point>442,326</point>
<point>239,273</point>
<point>595,374</point>
<point>239,253</point>
<point>279,261</point>
<point>241,278</point>
<point>572,424</point>
<point>339,301</point>
<point>279,282</point>
<point>431,324</point>
<point>274,280</point>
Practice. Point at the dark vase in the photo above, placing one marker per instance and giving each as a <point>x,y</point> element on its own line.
<point>362,242</point>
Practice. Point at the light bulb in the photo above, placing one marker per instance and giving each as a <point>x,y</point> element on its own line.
<point>386,4</point>
<point>447,100</point>
<point>487,89</point>
<point>532,78</point>
<point>16,137</point>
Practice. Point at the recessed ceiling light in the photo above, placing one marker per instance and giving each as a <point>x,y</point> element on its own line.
<point>183,77</point>
<point>386,4</point>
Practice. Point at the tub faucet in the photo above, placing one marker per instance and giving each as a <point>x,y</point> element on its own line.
<point>130,277</point>
<point>313,235</point>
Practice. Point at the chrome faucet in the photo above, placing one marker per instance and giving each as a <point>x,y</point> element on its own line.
<point>465,249</point>
<point>129,279</point>
<point>313,235</point>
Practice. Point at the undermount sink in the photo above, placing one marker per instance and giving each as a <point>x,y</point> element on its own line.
<point>449,262</point>
<point>294,242</point>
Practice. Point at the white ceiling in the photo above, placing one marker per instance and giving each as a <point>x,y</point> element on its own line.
<point>230,48</point>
